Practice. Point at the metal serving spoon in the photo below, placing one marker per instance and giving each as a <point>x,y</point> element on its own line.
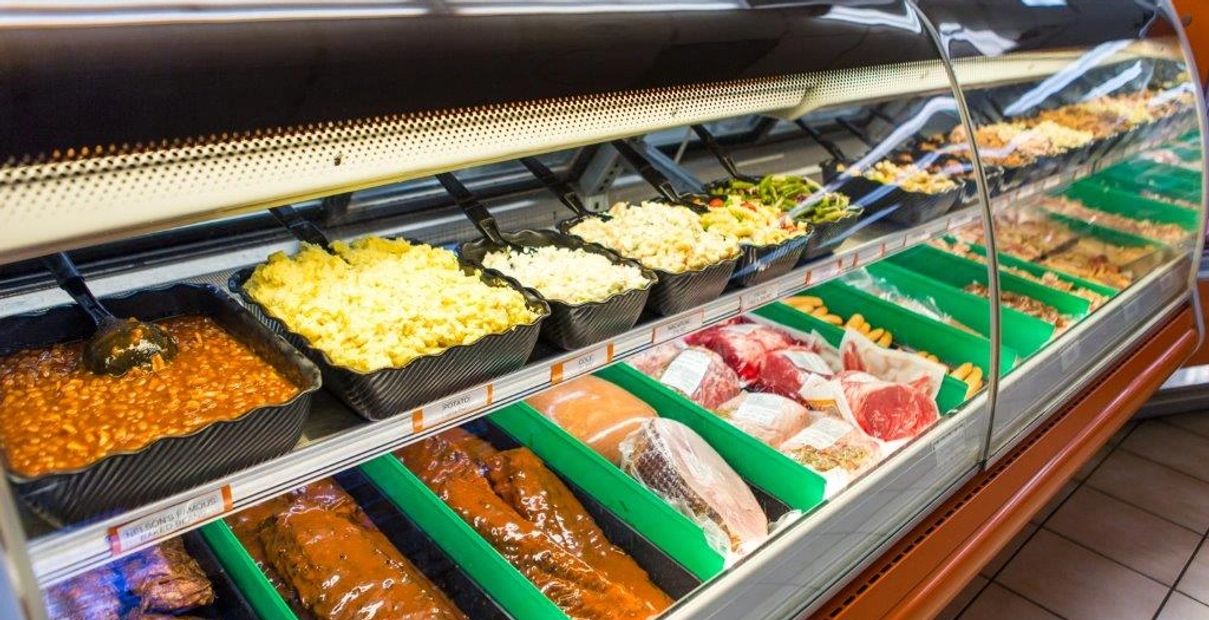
<point>118,344</point>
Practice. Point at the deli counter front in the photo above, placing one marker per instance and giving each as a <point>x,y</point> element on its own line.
<point>506,310</point>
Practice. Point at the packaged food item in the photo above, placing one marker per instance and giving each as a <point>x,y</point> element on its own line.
<point>828,444</point>
<point>701,375</point>
<point>595,411</point>
<point>750,221</point>
<point>162,580</point>
<point>1025,304</point>
<point>381,303</point>
<point>742,345</point>
<point>1047,278</point>
<point>883,410</point>
<point>652,361</point>
<point>861,354</point>
<point>329,561</point>
<point>771,418</point>
<point>879,287</point>
<point>674,462</point>
<point>660,236</point>
<point>523,510</point>
<point>786,370</point>
<point>566,275</point>
<point>56,416</point>
<point>1167,233</point>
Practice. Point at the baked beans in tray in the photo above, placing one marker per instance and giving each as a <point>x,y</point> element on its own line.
<point>237,395</point>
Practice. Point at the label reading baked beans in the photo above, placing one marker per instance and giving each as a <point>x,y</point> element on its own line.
<point>169,520</point>
<point>582,363</point>
<point>458,405</point>
<point>679,327</point>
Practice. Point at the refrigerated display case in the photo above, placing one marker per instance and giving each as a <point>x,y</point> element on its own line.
<point>744,291</point>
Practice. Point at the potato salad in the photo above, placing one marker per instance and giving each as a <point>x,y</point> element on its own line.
<point>660,236</point>
<point>566,275</point>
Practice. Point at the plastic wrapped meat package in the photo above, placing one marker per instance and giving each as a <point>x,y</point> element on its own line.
<point>784,372</point>
<point>742,345</point>
<point>835,449</point>
<point>883,289</point>
<point>771,418</point>
<point>535,522</point>
<point>595,411</point>
<point>698,373</point>
<point>678,465</point>
<point>861,354</point>
<point>889,412</point>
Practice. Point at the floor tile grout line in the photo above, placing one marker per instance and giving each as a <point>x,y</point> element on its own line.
<point>1180,577</point>
<point>1162,420</point>
<point>1179,471</point>
<point>1117,562</point>
<point>1143,509</point>
<point>1047,609</point>
<point>966,607</point>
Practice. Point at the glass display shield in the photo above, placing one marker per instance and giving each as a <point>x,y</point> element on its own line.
<point>1086,123</point>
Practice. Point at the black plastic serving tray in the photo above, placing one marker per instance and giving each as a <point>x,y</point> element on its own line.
<point>170,464</point>
<point>229,602</point>
<point>760,263</point>
<point>678,292</point>
<point>380,394</point>
<point>572,326</point>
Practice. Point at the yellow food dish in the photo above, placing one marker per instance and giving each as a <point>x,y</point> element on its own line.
<point>381,303</point>
<point>660,236</point>
<point>750,221</point>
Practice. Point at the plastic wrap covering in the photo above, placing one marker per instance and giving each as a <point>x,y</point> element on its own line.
<point>902,367</point>
<point>771,418</point>
<point>595,411</point>
<point>674,462</point>
<point>742,346</point>
<point>886,411</point>
<point>696,372</point>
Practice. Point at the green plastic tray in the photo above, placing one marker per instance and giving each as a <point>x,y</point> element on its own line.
<point>498,578</point>
<point>756,462</point>
<point>1022,333</point>
<point>242,569</point>
<point>1040,270</point>
<point>960,272</point>
<point>1120,202</point>
<point>952,391</point>
<point>1141,175</point>
<point>673,533</point>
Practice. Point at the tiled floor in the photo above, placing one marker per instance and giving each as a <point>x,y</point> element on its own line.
<point>1126,539</point>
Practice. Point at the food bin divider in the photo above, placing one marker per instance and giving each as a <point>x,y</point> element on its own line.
<point>953,346</point>
<point>762,466</point>
<point>242,570</point>
<point>640,508</point>
<point>229,602</point>
<point>960,272</point>
<point>1040,270</point>
<point>671,577</point>
<point>952,391</point>
<point>1023,333</point>
<point>1161,179</point>
<point>1146,263</point>
<point>502,581</point>
<point>1120,202</point>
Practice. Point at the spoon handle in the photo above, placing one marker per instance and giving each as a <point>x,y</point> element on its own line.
<point>301,227</point>
<point>718,151</point>
<point>70,280</point>
<point>478,214</point>
<point>566,194</point>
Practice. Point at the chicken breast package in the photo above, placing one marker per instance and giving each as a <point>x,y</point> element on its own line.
<point>594,411</point>
<point>771,418</point>
<point>862,354</point>
<point>886,411</point>
<point>678,465</point>
<point>699,374</point>
<point>742,345</point>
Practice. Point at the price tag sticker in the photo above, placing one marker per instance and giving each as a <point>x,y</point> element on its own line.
<point>757,297</point>
<point>582,363</point>
<point>868,255</point>
<point>1051,182</point>
<point>895,243</point>
<point>917,237</point>
<point>823,272</point>
<point>170,520</point>
<point>1132,311</point>
<point>678,327</point>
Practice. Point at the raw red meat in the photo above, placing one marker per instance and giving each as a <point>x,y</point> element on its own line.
<point>702,376</point>
<point>743,345</point>
<point>860,353</point>
<point>783,372</point>
<point>887,411</point>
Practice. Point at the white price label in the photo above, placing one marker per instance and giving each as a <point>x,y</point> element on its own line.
<point>1051,182</point>
<point>917,237</point>
<point>1070,355</point>
<point>453,407</point>
<point>1132,311</point>
<point>678,327</point>
<point>757,297</point>
<point>582,363</point>
<point>173,519</point>
<point>895,243</point>
<point>823,272</point>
